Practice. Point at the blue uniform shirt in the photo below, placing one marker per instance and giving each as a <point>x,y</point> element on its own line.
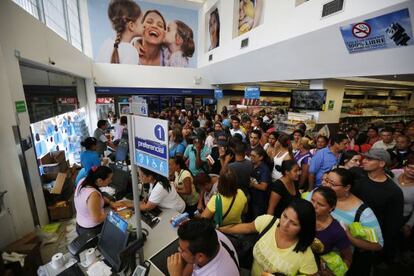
<point>323,161</point>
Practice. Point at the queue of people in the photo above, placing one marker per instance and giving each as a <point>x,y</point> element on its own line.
<point>311,196</point>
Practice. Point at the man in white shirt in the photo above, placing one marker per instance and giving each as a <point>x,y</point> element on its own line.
<point>387,141</point>
<point>235,122</point>
<point>203,251</point>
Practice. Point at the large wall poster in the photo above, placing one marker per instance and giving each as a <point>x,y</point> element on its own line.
<point>213,28</point>
<point>137,32</point>
<point>249,14</point>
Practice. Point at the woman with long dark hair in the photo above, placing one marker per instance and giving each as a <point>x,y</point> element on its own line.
<point>183,183</point>
<point>89,202</point>
<point>285,189</point>
<point>285,247</point>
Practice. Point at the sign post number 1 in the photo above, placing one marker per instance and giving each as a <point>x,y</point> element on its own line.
<point>148,147</point>
<point>151,144</point>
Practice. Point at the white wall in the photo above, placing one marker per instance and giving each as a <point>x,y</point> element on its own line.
<point>35,44</point>
<point>319,54</point>
<point>116,75</point>
<point>281,21</point>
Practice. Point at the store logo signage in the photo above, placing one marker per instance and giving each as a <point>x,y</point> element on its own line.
<point>252,92</point>
<point>218,94</point>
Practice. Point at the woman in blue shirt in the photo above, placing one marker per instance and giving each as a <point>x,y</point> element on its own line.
<point>89,158</point>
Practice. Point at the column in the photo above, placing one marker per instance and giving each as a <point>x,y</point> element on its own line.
<point>335,92</point>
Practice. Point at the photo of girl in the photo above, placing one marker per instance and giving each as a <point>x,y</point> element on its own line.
<point>179,43</point>
<point>137,33</point>
<point>125,17</point>
<point>214,29</point>
<point>249,15</point>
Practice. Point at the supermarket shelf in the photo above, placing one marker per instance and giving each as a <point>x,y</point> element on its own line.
<point>380,116</point>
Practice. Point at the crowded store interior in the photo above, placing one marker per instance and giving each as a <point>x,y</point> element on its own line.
<point>207,137</point>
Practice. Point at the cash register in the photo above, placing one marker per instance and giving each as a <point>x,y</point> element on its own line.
<point>115,243</point>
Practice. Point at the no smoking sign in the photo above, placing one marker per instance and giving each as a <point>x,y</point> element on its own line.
<point>361,30</point>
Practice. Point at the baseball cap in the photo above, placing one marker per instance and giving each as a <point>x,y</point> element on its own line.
<point>378,154</point>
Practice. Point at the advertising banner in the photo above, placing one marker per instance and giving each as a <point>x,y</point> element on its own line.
<point>390,30</point>
<point>142,33</point>
<point>151,144</point>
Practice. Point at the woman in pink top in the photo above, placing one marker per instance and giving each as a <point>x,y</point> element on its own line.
<point>89,202</point>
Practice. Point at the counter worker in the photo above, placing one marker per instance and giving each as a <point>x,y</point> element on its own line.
<point>161,193</point>
<point>89,158</point>
<point>101,140</point>
<point>89,201</point>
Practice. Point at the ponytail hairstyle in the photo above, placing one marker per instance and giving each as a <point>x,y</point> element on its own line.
<point>88,143</point>
<point>120,12</point>
<point>186,35</point>
<point>95,173</point>
<point>158,178</point>
<point>284,141</point>
<point>179,160</point>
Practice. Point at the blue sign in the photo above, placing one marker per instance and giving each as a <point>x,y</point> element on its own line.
<point>218,94</point>
<point>151,144</point>
<point>390,30</point>
<point>151,147</point>
<point>252,93</point>
<point>152,163</point>
<point>159,132</point>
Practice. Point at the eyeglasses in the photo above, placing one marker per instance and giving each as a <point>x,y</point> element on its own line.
<point>332,183</point>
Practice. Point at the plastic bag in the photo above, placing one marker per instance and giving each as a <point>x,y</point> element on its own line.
<point>363,232</point>
<point>335,263</point>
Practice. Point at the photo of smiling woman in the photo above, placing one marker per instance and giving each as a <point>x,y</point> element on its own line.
<point>150,47</point>
<point>214,29</point>
<point>143,33</point>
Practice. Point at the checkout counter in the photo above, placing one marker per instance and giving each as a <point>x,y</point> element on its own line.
<point>161,240</point>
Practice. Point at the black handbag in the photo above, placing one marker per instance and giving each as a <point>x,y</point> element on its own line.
<point>244,243</point>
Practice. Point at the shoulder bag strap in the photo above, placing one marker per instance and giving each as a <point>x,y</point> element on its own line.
<point>231,253</point>
<point>359,212</point>
<point>231,205</point>
<point>267,228</point>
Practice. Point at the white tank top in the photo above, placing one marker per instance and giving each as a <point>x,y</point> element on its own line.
<point>277,160</point>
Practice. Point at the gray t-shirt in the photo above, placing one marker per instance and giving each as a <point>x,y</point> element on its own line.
<point>243,170</point>
<point>99,135</point>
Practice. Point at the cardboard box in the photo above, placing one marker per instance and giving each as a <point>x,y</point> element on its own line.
<point>61,210</point>
<point>53,163</point>
<point>51,168</point>
<point>60,181</point>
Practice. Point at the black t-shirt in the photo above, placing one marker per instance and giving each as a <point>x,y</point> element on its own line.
<point>243,170</point>
<point>286,198</point>
<point>387,201</point>
<point>216,167</point>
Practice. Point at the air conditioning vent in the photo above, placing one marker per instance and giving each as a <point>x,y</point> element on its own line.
<point>332,7</point>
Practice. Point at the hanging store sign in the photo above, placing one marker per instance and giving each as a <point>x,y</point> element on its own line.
<point>252,92</point>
